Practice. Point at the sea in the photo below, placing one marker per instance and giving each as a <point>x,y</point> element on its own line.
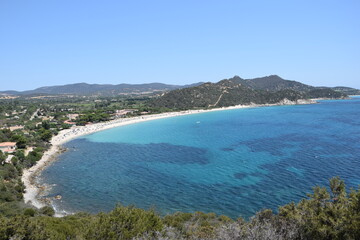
<point>232,162</point>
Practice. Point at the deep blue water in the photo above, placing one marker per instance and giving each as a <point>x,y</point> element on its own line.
<point>234,162</point>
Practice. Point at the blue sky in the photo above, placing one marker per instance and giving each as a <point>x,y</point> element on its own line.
<point>46,43</point>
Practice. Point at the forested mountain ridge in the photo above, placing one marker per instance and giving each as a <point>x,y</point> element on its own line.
<point>273,83</point>
<point>100,89</point>
<point>237,91</point>
<point>347,90</point>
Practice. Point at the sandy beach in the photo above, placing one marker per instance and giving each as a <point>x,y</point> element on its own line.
<point>32,189</point>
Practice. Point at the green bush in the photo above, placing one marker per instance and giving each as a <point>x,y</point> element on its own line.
<point>48,211</point>
<point>124,223</point>
<point>29,212</point>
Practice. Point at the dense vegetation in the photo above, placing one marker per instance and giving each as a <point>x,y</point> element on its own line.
<point>273,83</point>
<point>236,91</point>
<point>11,187</point>
<point>325,93</point>
<point>333,214</point>
<point>81,89</point>
<point>347,90</point>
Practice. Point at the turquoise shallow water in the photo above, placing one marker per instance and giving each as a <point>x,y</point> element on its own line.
<point>232,162</point>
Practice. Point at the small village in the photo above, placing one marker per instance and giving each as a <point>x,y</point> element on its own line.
<point>28,124</point>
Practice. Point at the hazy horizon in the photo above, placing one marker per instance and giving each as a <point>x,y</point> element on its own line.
<point>47,43</point>
<point>149,83</point>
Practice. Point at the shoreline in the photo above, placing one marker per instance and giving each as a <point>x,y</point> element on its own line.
<point>33,189</point>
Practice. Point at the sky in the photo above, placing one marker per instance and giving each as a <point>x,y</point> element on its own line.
<point>45,43</point>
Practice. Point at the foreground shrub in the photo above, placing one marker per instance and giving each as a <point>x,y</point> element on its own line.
<point>124,223</point>
<point>333,214</point>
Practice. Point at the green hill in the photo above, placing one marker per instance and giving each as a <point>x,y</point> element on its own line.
<point>237,91</point>
<point>275,83</point>
<point>347,90</point>
<point>100,89</point>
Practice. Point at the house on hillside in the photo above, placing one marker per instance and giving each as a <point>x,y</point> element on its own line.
<point>17,127</point>
<point>70,122</point>
<point>123,112</point>
<point>8,147</point>
<point>72,116</point>
<point>47,118</point>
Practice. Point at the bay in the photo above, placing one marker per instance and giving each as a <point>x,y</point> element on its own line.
<point>233,162</point>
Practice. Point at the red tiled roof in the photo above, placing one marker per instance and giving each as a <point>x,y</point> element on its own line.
<point>8,144</point>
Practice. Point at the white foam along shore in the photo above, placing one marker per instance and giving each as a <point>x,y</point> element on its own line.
<point>32,189</point>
